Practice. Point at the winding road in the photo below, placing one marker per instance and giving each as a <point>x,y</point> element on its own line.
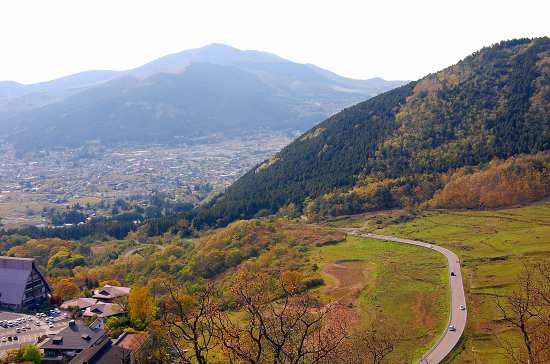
<point>449,339</point>
<point>136,249</point>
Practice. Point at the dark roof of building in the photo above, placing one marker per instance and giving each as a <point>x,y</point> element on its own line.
<point>76,336</point>
<point>112,352</point>
<point>102,353</point>
<point>16,261</point>
<point>14,273</point>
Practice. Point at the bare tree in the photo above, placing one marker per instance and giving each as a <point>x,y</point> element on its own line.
<point>527,310</point>
<point>158,348</point>
<point>271,320</point>
<point>542,285</point>
<point>186,323</point>
<point>122,301</point>
<point>281,325</point>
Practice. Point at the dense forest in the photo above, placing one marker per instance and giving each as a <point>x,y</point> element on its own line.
<point>493,104</point>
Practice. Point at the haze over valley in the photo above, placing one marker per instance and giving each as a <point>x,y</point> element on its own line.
<point>178,98</point>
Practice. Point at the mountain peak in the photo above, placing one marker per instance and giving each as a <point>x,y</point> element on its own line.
<point>216,53</point>
<point>219,46</point>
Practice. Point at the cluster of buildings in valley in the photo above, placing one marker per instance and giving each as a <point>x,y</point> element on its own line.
<point>102,303</point>
<point>23,287</point>
<point>82,343</point>
<point>93,173</point>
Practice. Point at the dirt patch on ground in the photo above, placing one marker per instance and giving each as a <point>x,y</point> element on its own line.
<point>422,308</point>
<point>349,279</point>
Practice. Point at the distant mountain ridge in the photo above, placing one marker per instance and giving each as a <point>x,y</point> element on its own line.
<point>395,149</point>
<point>176,97</point>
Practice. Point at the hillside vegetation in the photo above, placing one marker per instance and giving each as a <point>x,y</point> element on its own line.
<point>270,245</point>
<point>330,267</point>
<point>493,104</point>
<point>518,180</point>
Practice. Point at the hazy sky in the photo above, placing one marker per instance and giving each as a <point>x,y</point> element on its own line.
<point>41,40</point>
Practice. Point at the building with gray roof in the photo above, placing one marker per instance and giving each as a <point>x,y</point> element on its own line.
<point>21,283</point>
<point>70,341</point>
<point>130,347</point>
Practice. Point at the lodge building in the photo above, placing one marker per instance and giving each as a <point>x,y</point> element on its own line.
<point>22,286</point>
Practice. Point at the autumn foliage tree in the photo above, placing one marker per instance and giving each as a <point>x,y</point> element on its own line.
<point>262,318</point>
<point>28,354</point>
<point>65,289</point>
<point>515,181</point>
<point>141,306</point>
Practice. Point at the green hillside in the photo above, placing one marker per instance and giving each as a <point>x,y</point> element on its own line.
<point>493,104</point>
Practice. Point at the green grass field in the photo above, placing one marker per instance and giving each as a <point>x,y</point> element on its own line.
<point>405,284</point>
<point>493,246</point>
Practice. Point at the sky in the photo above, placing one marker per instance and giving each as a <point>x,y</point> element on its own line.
<point>42,40</point>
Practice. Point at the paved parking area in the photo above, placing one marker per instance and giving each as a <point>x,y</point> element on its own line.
<point>6,315</point>
<point>28,336</point>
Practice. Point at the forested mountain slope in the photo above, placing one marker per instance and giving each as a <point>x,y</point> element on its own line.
<point>396,147</point>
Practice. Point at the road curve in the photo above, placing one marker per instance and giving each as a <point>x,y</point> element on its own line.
<point>449,339</point>
<point>141,246</point>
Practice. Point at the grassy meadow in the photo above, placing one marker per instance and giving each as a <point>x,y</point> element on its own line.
<point>493,246</point>
<point>406,285</point>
